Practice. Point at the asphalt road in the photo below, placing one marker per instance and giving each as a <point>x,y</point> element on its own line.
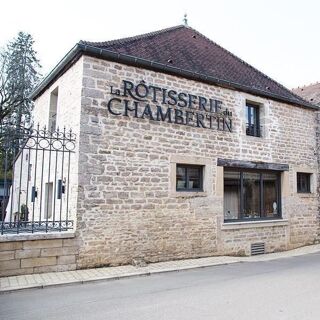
<point>279,289</point>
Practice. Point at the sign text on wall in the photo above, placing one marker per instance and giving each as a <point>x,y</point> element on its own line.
<point>160,104</point>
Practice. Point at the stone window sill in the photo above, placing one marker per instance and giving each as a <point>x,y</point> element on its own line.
<point>189,194</point>
<point>254,224</point>
<point>306,195</point>
<point>36,236</point>
<point>254,138</point>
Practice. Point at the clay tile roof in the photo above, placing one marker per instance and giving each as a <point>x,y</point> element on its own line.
<point>310,93</point>
<point>185,48</point>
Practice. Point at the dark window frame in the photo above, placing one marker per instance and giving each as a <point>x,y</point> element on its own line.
<point>300,188</point>
<point>190,166</point>
<point>253,128</point>
<point>261,191</point>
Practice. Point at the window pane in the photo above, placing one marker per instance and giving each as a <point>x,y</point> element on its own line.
<point>247,114</point>
<point>303,182</point>
<point>252,119</point>
<point>181,178</point>
<point>270,199</point>
<point>194,178</point>
<point>253,116</point>
<point>251,195</point>
<point>231,195</point>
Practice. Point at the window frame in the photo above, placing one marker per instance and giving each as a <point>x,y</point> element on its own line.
<point>256,120</point>
<point>308,176</point>
<point>261,195</point>
<point>190,166</point>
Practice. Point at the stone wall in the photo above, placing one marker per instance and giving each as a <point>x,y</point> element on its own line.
<point>126,207</point>
<point>39,255</point>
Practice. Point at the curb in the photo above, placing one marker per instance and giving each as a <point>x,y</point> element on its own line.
<point>111,278</point>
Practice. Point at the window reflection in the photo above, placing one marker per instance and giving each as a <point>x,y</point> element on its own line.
<point>231,195</point>
<point>194,178</point>
<point>251,192</point>
<point>270,196</point>
<point>181,177</point>
<point>251,195</point>
<point>189,178</point>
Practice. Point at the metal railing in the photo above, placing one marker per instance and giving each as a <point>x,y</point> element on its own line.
<point>35,179</point>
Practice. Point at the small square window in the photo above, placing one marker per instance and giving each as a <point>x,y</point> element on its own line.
<point>189,178</point>
<point>252,120</point>
<point>303,182</point>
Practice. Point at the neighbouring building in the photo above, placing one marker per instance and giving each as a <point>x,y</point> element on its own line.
<point>310,93</point>
<point>182,150</point>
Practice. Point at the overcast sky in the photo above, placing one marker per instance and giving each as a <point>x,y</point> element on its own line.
<point>279,37</point>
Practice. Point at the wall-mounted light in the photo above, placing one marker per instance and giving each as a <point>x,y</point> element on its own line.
<point>34,194</point>
<point>61,188</point>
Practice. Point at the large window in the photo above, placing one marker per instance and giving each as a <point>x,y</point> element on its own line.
<point>251,195</point>
<point>253,120</point>
<point>189,178</point>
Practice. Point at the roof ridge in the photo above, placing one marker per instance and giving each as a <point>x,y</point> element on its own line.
<point>137,37</point>
<point>246,63</point>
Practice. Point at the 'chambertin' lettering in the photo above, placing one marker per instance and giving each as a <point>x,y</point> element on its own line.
<point>161,104</point>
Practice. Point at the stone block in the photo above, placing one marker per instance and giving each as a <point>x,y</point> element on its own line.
<point>7,246</point>
<point>15,272</point>
<point>37,262</point>
<point>92,93</point>
<point>55,243</point>
<point>67,259</point>
<point>63,251</point>
<point>28,253</point>
<point>70,242</point>
<point>6,255</point>
<point>9,264</point>
<point>55,268</point>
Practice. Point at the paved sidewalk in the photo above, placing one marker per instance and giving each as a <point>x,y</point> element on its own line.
<point>43,280</point>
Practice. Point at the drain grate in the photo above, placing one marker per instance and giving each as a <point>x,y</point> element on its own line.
<point>257,248</point>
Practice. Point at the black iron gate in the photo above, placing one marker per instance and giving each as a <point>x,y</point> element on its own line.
<point>35,180</point>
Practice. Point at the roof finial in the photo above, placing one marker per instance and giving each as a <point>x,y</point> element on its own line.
<point>185,20</point>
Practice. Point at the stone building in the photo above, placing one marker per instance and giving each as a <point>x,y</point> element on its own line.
<point>309,92</point>
<point>183,151</point>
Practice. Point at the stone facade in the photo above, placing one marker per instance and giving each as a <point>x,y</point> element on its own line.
<point>126,207</point>
<point>125,202</point>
